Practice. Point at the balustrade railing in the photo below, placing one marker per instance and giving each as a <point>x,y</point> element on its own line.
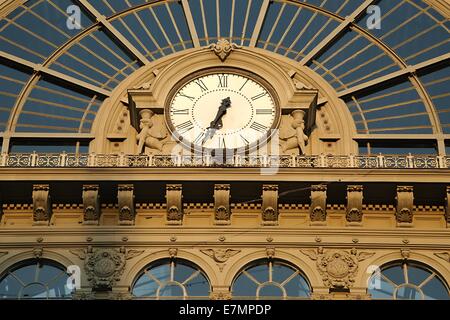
<point>18,160</point>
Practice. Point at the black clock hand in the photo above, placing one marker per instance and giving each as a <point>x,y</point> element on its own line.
<point>217,123</point>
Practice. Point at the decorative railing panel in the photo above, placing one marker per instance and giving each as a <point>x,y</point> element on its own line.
<point>247,161</point>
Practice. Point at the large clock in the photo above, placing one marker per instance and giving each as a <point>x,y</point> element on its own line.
<point>222,109</point>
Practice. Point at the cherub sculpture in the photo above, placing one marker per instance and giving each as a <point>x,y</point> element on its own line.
<point>153,134</point>
<point>292,133</point>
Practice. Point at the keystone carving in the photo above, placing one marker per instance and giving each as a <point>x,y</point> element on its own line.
<point>38,252</point>
<point>42,208</point>
<point>317,210</point>
<point>404,208</point>
<point>270,204</point>
<point>174,203</point>
<point>125,196</point>
<point>338,268</point>
<point>223,48</point>
<point>220,255</point>
<point>354,203</point>
<point>105,266</point>
<point>222,212</point>
<point>91,204</point>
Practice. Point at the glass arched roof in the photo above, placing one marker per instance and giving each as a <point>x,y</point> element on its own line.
<point>395,80</point>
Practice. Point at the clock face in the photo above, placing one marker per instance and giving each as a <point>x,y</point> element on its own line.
<point>223,110</point>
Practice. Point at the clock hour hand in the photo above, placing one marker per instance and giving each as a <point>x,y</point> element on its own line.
<point>217,123</point>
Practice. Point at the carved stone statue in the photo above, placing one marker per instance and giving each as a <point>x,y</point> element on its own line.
<point>293,139</point>
<point>153,135</point>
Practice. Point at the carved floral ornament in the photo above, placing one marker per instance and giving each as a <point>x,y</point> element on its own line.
<point>223,48</point>
<point>338,268</point>
<point>105,266</point>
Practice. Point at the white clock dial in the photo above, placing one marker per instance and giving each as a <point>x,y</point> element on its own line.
<point>222,110</point>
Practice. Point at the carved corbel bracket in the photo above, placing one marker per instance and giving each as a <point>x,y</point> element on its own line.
<point>447,207</point>
<point>91,204</point>
<point>354,205</point>
<point>125,196</point>
<point>42,207</point>
<point>318,208</point>
<point>140,99</point>
<point>304,98</point>
<point>270,205</point>
<point>174,198</point>
<point>405,206</point>
<point>222,210</point>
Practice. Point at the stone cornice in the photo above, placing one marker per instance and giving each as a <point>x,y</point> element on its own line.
<point>349,175</point>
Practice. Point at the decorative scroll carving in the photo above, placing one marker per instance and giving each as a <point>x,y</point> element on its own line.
<point>223,48</point>
<point>125,196</point>
<point>174,203</point>
<point>447,205</point>
<point>222,212</point>
<point>91,204</point>
<point>293,139</point>
<point>42,208</point>
<point>153,133</point>
<point>220,255</point>
<point>317,210</point>
<point>404,208</point>
<point>338,268</point>
<point>270,204</point>
<point>104,266</point>
<point>354,203</point>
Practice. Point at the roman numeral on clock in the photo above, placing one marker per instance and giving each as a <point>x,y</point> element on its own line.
<point>184,127</point>
<point>259,127</point>
<point>223,81</point>
<point>201,84</point>
<point>180,112</point>
<point>263,111</point>
<point>186,96</point>
<point>259,96</point>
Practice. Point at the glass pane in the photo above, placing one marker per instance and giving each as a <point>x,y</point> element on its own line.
<point>244,287</point>
<point>297,287</point>
<point>182,272</point>
<point>408,293</point>
<point>416,275</point>
<point>171,290</point>
<point>9,288</point>
<point>435,290</point>
<point>395,274</point>
<point>145,287</point>
<point>281,273</point>
<point>198,286</point>
<point>34,291</point>
<point>380,288</point>
<point>260,273</point>
<point>162,273</point>
<point>271,291</point>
